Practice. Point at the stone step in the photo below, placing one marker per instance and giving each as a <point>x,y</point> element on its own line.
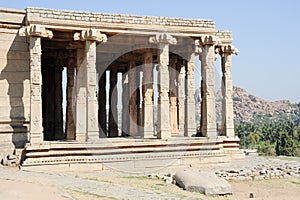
<point>116,150</point>
<point>117,157</point>
<point>120,143</point>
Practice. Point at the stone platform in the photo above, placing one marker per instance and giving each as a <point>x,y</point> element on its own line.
<point>134,155</point>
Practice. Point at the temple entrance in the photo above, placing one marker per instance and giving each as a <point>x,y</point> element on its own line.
<point>58,69</point>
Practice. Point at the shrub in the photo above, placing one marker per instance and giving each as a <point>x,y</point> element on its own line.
<point>266,148</point>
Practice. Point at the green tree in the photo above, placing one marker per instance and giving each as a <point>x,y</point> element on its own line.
<point>285,145</point>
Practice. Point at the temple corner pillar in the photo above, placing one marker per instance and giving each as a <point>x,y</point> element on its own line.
<point>227,89</point>
<point>35,34</point>
<point>36,126</point>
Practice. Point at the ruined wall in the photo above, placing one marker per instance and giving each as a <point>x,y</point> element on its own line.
<point>14,82</point>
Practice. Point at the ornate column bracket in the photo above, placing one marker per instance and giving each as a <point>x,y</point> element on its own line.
<point>163,40</point>
<point>226,52</point>
<point>90,35</point>
<point>36,30</point>
<point>226,49</point>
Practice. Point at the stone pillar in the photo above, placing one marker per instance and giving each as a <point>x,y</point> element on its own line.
<point>173,98</point>
<point>125,105</point>
<point>81,107</point>
<point>148,96</point>
<point>190,121</point>
<point>58,113</point>
<point>181,99</point>
<point>138,102</point>
<point>227,90</point>
<point>113,98</point>
<point>70,125</point>
<point>102,105</point>
<point>163,41</point>
<point>92,102</point>
<point>87,127</point>
<point>208,114</point>
<point>133,129</point>
<point>36,127</point>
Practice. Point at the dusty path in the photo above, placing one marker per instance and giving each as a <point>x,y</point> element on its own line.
<point>16,184</point>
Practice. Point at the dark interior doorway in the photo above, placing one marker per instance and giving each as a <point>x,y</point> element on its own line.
<point>58,71</point>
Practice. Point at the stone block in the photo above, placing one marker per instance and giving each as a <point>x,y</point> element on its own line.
<point>203,182</point>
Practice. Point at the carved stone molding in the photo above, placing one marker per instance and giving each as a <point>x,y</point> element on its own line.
<point>91,35</point>
<point>163,38</point>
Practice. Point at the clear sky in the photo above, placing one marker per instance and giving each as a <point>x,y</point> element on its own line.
<point>266,32</point>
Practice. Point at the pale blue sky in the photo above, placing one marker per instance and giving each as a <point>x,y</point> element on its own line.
<point>266,32</point>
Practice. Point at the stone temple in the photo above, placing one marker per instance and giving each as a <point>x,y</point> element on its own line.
<point>82,87</point>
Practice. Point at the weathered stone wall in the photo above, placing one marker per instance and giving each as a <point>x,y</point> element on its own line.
<point>14,83</point>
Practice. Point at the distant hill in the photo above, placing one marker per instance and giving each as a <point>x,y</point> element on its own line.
<point>248,107</point>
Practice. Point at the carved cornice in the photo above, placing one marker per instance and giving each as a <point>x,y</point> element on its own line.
<point>36,30</point>
<point>164,38</point>
<point>90,35</point>
<point>226,49</point>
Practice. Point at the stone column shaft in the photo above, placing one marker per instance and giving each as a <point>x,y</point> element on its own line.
<point>81,94</point>
<point>102,105</point>
<point>92,102</point>
<point>181,99</point>
<point>173,98</point>
<point>148,96</point>
<point>70,127</point>
<point>227,92</point>
<point>58,113</point>
<point>133,126</point>
<point>208,106</point>
<point>36,127</point>
<point>164,129</point>
<point>113,109</point>
<point>190,123</point>
<point>125,105</point>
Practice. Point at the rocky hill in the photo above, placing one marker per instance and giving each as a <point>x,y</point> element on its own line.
<point>247,106</point>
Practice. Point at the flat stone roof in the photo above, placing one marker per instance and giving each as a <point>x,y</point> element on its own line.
<point>117,18</point>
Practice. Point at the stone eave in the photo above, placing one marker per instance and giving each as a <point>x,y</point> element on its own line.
<point>122,24</point>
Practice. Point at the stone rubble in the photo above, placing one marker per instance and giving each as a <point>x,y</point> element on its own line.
<point>260,172</point>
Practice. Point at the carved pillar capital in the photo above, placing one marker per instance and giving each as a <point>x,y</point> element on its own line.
<point>164,38</point>
<point>36,30</point>
<point>226,49</point>
<point>90,35</point>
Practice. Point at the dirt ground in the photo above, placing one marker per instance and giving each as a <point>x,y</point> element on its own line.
<point>23,185</point>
